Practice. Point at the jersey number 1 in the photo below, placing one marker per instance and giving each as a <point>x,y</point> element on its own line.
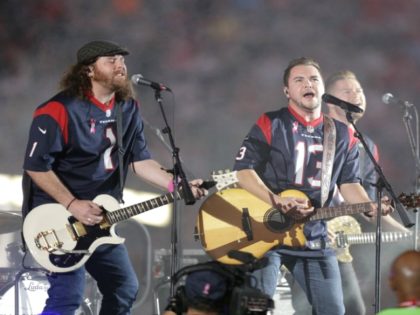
<point>109,133</point>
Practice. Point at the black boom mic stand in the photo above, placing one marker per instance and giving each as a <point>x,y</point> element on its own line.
<point>179,177</point>
<point>413,137</point>
<point>381,184</point>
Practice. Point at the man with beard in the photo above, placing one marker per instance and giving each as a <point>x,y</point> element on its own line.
<point>72,157</point>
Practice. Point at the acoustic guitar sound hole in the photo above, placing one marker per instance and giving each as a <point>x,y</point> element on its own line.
<point>275,221</point>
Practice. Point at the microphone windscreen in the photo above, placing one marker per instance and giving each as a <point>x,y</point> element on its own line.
<point>387,98</point>
<point>135,78</point>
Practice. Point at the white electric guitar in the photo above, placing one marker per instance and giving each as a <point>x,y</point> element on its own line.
<point>61,243</point>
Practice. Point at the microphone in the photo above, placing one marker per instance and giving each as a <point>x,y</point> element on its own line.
<point>138,79</point>
<point>389,99</point>
<point>327,98</point>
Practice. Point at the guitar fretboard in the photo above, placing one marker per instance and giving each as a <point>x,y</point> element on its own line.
<point>387,237</point>
<point>331,212</point>
<point>128,212</point>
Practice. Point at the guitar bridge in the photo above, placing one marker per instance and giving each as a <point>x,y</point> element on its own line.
<point>46,237</point>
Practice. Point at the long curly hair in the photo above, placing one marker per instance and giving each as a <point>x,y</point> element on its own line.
<point>76,82</point>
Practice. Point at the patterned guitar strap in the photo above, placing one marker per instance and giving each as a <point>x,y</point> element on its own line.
<point>327,157</point>
<point>121,152</point>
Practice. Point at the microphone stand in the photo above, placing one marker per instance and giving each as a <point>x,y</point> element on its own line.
<point>158,133</point>
<point>381,184</point>
<point>179,177</point>
<point>414,145</point>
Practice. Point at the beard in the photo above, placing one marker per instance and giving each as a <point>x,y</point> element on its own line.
<point>114,82</point>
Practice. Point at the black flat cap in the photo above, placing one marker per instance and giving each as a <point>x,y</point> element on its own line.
<point>89,52</point>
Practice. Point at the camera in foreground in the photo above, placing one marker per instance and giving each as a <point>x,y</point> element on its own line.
<point>214,288</point>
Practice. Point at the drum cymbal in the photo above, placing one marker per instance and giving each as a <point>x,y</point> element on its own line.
<point>10,222</point>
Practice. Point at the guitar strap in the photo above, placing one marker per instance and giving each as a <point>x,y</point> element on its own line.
<point>327,157</point>
<point>121,152</point>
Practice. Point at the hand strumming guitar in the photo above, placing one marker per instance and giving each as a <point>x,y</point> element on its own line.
<point>86,211</point>
<point>296,208</point>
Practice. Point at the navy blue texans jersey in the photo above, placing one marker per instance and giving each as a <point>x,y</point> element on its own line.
<point>77,139</point>
<point>286,152</point>
<point>367,168</point>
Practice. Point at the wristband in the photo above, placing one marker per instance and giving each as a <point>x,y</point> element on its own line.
<point>171,186</point>
<point>68,206</point>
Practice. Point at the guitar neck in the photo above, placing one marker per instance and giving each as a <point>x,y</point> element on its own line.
<point>332,212</point>
<point>133,210</point>
<point>368,238</point>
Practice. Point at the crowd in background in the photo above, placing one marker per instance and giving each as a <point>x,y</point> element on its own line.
<point>222,59</point>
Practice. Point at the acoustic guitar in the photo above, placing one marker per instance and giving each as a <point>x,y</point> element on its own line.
<point>234,219</point>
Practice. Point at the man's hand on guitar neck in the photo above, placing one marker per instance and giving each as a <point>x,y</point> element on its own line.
<point>296,208</point>
<point>386,207</point>
<point>355,193</point>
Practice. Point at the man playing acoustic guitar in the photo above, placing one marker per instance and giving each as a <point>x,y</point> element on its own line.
<point>346,86</point>
<point>286,150</point>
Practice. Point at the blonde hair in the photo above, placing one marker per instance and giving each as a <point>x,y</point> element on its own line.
<point>340,75</point>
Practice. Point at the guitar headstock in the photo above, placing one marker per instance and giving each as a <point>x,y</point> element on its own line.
<point>225,179</point>
<point>410,201</point>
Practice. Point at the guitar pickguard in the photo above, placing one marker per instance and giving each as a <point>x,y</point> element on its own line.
<point>83,243</point>
<point>341,226</point>
<point>236,220</point>
<point>66,260</point>
<point>221,226</point>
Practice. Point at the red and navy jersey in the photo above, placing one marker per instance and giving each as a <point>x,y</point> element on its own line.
<point>286,152</point>
<point>368,173</point>
<point>77,139</point>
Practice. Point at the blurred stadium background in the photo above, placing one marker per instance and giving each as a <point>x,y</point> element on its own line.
<point>224,61</point>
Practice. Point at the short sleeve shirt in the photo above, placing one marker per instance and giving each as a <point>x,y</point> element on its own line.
<point>286,152</point>
<point>76,138</point>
